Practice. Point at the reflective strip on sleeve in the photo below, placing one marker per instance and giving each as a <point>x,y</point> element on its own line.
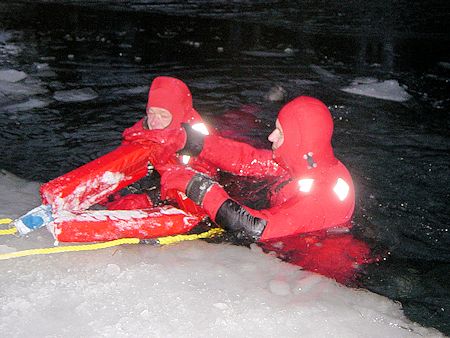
<point>305,184</point>
<point>185,159</point>
<point>341,189</point>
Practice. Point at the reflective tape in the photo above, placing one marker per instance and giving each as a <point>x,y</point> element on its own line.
<point>341,189</point>
<point>185,159</point>
<point>305,184</point>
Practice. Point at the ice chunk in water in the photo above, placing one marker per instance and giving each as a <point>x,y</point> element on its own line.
<point>75,95</point>
<point>27,105</point>
<point>132,91</point>
<point>323,72</point>
<point>385,90</point>
<point>272,54</point>
<point>12,75</point>
<point>5,36</point>
<point>445,65</point>
<point>11,89</point>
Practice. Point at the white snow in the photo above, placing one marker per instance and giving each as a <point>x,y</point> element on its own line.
<point>75,95</point>
<point>100,215</point>
<point>96,188</point>
<point>385,90</point>
<point>191,289</point>
<point>12,75</point>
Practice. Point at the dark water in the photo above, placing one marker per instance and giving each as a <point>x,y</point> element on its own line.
<point>398,153</point>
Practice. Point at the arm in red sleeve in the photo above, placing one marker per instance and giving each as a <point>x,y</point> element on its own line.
<point>300,214</point>
<point>239,158</point>
<point>205,192</point>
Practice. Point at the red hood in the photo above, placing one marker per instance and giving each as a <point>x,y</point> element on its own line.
<point>307,127</point>
<point>172,94</point>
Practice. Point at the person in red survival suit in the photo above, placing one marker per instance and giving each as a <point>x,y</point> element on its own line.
<point>314,191</point>
<point>169,107</point>
<point>311,201</point>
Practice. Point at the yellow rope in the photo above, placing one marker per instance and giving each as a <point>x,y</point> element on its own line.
<point>96,246</point>
<point>180,238</point>
<point>69,248</point>
<point>10,231</point>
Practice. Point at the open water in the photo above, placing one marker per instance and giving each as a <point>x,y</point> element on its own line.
<point>89,65</point>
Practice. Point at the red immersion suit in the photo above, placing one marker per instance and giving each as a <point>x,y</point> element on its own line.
<point>314,191</point>
<point>311,203</point>
<point>173,95</point>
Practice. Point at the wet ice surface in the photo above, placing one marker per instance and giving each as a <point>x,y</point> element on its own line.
<point>396,150</point>
<point>191,289</point>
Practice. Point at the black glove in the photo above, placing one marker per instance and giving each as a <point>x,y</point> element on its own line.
<point>234,217</point>
<point>198,186</point>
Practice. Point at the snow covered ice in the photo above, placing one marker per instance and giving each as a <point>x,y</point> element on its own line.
<point>192,289</point>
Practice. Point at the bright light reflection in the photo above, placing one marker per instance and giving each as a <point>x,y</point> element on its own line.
<point>305,184</point>
<point>201,128</point>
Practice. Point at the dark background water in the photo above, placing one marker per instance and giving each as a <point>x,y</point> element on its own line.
<point>398,153</point>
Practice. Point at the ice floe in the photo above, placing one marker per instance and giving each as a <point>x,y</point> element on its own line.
<point>271,54</point>
<point>132,91</point>
<point>12,75</point>
<point>20,89</point>
<point>27,105</point>
<point>385,90</point>
<point>445,65</point>
<point>75,95</point>
<point>323,72</point>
